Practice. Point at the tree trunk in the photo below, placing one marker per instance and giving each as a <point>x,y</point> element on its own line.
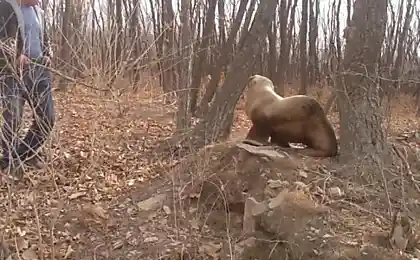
<point>159,40</point>
<point>65,49</point>
<point>272,49</point>
<point>183,119</point>
<point>291,40</point>
<point>213,126</point>
<point>248,18</point>
<point>222,23</point>
<point>135,32</point>
<point>283,61</point>
<point>202,54</point>
<point>399,61</point>
<point>303,49</point>
<point>118,33</point>
<point>169,50</point>
<point>223,60</point>
<point>313,36</point>
<point>361,115</point>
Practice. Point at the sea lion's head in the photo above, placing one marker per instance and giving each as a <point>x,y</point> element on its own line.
<point>257,82</point>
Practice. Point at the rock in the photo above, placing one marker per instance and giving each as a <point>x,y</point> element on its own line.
<point>268,152</point>
<point>252,209</point>
<point>290,213</point>
<point>258,208</point>
<point>152,203</point>
<point>335,192</point>
<point>247,243</point>
<point>278,200</point>
<point>249,221</point>
<point>303,174</point>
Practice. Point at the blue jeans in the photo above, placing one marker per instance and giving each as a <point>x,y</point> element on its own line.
<point>35,88</point>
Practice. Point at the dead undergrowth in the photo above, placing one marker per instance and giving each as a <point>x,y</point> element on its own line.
<point>101,198</point>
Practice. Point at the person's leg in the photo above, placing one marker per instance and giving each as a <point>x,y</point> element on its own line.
<point>13,104</point>
<point>39,87</point>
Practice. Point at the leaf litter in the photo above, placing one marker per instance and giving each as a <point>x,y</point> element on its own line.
<point>98,155</point>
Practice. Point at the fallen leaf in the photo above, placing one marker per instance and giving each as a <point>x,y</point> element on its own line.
<point>277,183</point>
<point>66,155</point>
<point>117,244</point>
<point>303,174</point>
<point>151,239</point>
<point>77,195</point>
<point>211,249</point>
<point>20,231</point>
<point>152,203</point>
<point>83,154</point>
<point>167,210</point>
<point>96,210</point>
<point>31,197</point>
<point>69,251</point>
<point>335,192</point>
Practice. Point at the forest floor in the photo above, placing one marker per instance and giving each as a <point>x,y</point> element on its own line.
<point>90,202</point>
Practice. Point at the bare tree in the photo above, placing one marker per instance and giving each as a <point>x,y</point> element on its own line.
<point>291,36</point>
<point>283,60</point>
<point>184,70</point>
<point>214,126</point>
<point>202,54</point>
<point>313,74</point>
<point>168,48</point>
<point>112,42</point>
<point>226,51</point>
<point>303,48</point>
<point>272,49</point>
<point>65,52</point>
<point>222,23</point>
<point>361,114</point>
<point>402,42</point>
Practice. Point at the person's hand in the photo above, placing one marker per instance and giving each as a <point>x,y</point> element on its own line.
<point>22,60</point>
<point>47,61</point>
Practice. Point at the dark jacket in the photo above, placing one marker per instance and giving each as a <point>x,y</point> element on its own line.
<point>11,35</point>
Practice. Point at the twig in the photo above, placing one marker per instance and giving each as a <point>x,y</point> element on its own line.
<point>71,79</point>
<point>405,163</point>
<point>362,209</point>
<point>10,51</point>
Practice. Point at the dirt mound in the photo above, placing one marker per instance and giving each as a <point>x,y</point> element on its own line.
<point>236,201</point>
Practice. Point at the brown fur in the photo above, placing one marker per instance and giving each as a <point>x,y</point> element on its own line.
<point>295,119</point>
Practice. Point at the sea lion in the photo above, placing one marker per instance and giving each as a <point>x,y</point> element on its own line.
<point>295,119</point>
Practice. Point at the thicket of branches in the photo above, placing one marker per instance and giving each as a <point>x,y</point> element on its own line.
<point>342,44</point>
